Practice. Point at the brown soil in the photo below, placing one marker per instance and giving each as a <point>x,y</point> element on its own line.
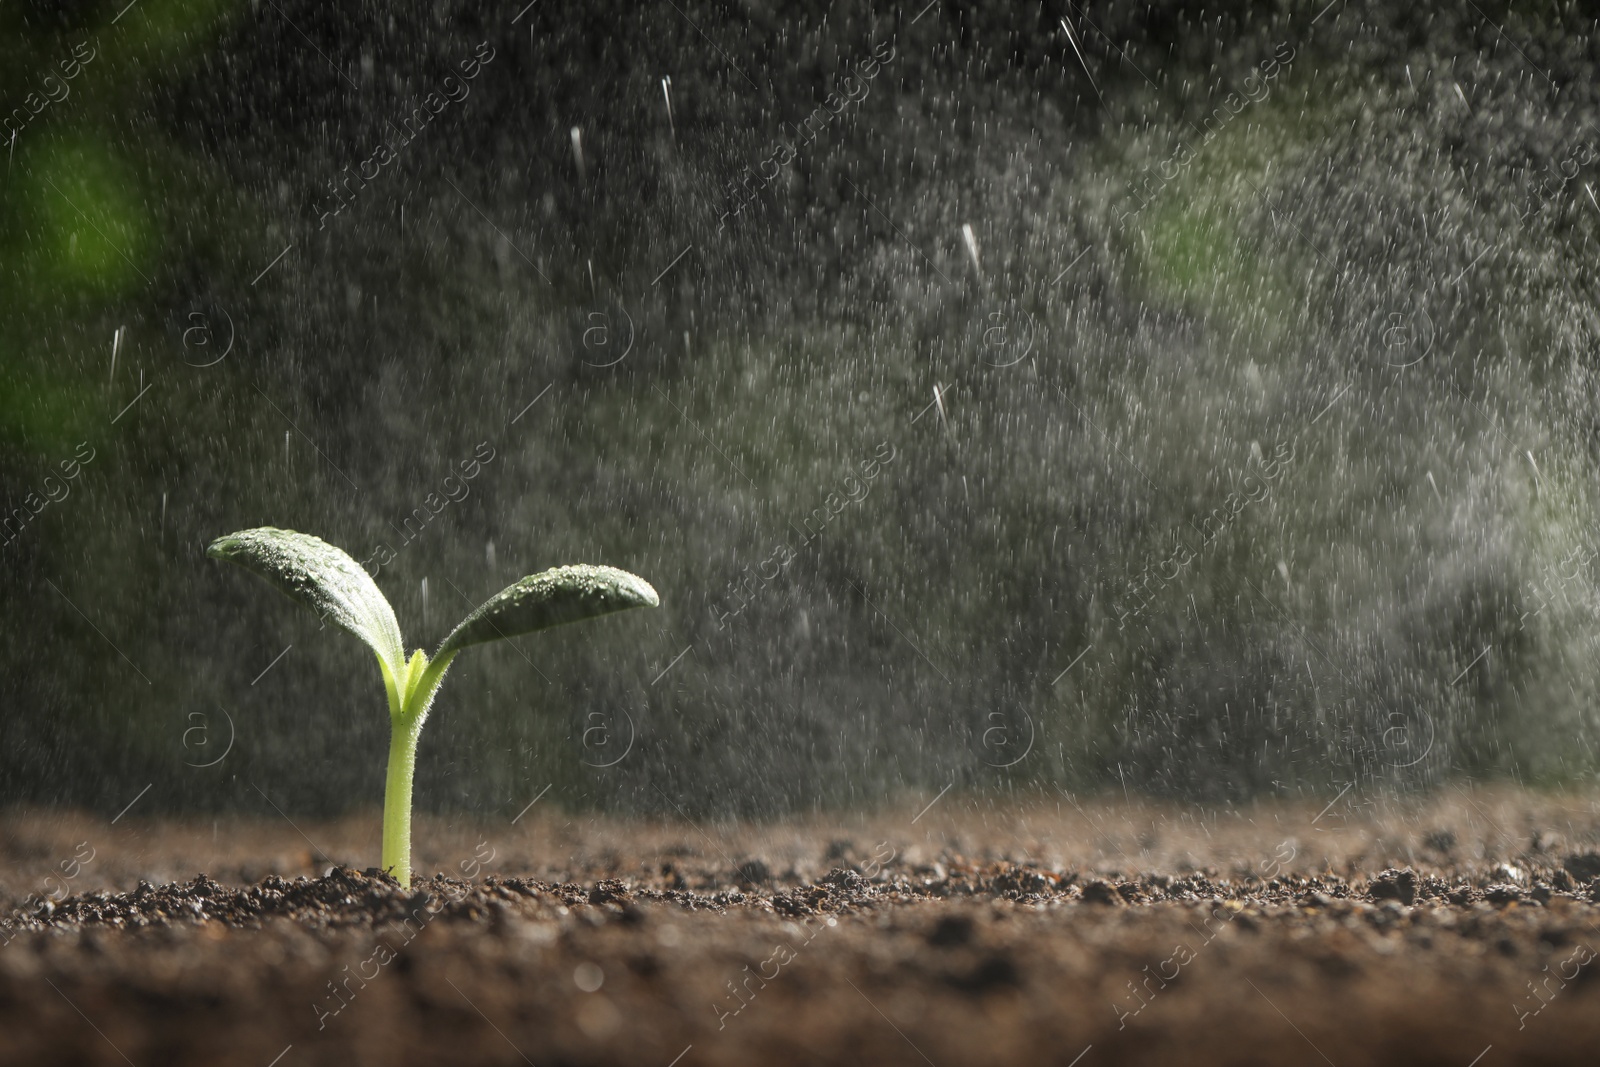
<point>1455,931</point>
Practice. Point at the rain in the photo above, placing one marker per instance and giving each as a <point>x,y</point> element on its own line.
<point>1117,482</point>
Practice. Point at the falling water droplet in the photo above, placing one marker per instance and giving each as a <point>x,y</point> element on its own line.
<point>944,420</point>
<point>577,151</point>
<point>972,246</point>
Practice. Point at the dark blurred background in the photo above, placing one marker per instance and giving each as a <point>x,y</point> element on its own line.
<point>1234,365</point>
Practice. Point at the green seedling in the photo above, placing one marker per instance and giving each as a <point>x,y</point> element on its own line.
<point>332,584</point>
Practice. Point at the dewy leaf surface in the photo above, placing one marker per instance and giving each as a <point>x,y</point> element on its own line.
<point>323,578</point>
<point>551,598</point>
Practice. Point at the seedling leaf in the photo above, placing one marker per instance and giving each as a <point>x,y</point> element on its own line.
<point>329,582</point>
<point>551,598</point>
<point>324,579</point>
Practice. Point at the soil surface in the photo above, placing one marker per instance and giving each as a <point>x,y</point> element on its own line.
<point>1459,930</point>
